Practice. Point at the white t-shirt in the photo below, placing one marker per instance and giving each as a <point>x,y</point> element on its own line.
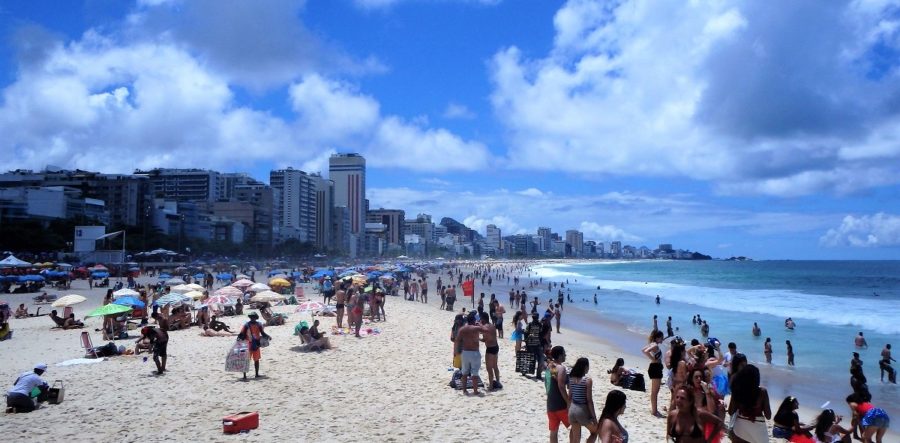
<point>26,383</point>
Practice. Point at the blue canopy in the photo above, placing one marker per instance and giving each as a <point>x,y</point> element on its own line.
<point>27,278</point>
<point>199,275</point>
<point>9,278</point>
<point>322,273</point>
<point>224,276</point>
<point>129,301</point>
<point>165,276</point>
<point>54,274</point>
<point>99,274</point>
<point>373,274</point>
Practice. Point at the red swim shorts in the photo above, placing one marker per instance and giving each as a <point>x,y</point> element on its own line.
<point>557,417</point>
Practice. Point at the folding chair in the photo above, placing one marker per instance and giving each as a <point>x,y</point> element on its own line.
<point>87,344</point>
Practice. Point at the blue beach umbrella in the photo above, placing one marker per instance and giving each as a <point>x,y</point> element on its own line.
<point>99,274</point>
<point>27,278</point>
<point>224,276</point>
<point>165,276</point>
<point>199,275</point>
<point>129,301</point>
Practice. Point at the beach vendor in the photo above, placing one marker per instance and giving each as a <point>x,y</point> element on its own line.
<point>20,396</point>
<point>253,333</point>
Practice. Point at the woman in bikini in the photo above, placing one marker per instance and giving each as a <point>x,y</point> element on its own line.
<point>611,431</point>
<point>686,423</point>
<point>655,370</point>
<point>677,367</point>
<point>767,349</point>
<point>750,402</point>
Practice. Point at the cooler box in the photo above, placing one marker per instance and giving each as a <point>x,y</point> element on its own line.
<point>56,393</point>
<point>242,421</point>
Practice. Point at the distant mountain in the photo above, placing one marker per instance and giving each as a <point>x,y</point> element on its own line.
<point>455,227</point>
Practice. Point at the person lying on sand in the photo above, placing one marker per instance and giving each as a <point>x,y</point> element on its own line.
<point>207,332</point>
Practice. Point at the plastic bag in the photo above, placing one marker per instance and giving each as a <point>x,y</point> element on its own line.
<point>238,358</point>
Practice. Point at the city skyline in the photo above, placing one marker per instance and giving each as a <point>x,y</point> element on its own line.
<point>731,128</point>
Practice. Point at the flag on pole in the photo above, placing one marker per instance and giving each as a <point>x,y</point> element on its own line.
<point>468,288</point>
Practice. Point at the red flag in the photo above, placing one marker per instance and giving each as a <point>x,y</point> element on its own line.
<point>468,287</point>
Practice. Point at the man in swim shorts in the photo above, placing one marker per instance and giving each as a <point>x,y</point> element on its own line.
<point>467,343</point>
<point>340,297</point>
<point>491,350</point>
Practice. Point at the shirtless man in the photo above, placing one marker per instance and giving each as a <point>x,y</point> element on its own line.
<point>340,297</point>
<point>885,364</point>
<point>860,341</point>
<point>491,350</point>
<point>159,340</point>
<point>467,342</point>
<point>424,289</point>
<point>756,331</point>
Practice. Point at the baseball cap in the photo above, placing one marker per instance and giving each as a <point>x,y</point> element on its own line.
<point>41,366</point>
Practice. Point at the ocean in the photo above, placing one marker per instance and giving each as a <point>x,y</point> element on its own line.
<point>830,301</point>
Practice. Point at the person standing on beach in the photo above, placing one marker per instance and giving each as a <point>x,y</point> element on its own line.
<point>340,298</point>
<point>860,341</point>
<point>558,316</point>
<point>790,352</point>
<point>491,351</point>
<point>159,342</point>
<point>424,289</point>
<point>669,331</point>
<point>750,402</point>
<point>655,370</point>
<point>767,350</point>
<point>534,344</point>
<point>557,393</point>
<point>467,342</point>
<point>253,332</point>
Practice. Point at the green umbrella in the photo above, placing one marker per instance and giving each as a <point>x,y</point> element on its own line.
<point>109,309</point>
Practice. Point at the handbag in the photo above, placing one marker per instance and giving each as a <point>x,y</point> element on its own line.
<point>264,342</point>
<point>238,358</point>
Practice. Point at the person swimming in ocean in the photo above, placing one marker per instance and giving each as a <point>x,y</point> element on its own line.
<point>756,331</point>
<point>789,323</point>
<point>860,341</point>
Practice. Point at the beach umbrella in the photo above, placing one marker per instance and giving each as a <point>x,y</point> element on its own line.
<point>348,273</point>
<point>195,287</point>
<point>171,299</point>
<point>68,300</point>
<point>98,267</point>
<point>258,287</point>
<point>32,277</point>
<point>110,309</point>
<point>223,276</point>
<point>196,295</point>
<point>129,301</point>
<point>199,275</point>
<point>279,282</point>
<point>181,288</point>
<point>13,262</point>
<point>219,300</point>
<point>359,279</point>
<point>229,291</point>
<point>174,282</point>
<point>242,283</point>
<point>99,274</point>
<point>164,276</point>
<point>310,306</point>
<point>126,292</point>
<point>266,297</point>
<point>373,274</point>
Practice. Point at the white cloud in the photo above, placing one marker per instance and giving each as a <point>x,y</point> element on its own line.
<point>595,231</point>
<point>865,231</point>
<point>101,103</point>
<point>458,111</point>
<point>638,87</point>
<point>531,192</point>
<point>434,181</point>
<point>386,4</point>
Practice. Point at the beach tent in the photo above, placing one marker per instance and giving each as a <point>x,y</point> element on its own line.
<point>13,262</point>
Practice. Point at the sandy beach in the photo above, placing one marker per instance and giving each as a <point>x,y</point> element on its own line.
<point>387,387</point>
<point>392,386</point>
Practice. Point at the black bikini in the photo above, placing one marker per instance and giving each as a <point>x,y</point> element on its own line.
<point>696,432</point>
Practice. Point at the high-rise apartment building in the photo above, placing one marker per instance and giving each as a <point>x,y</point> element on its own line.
<point>492,237</point>
<point>348,172</point>
<point>392,219</point>
<point>545,233</point>
<point>295,213</point>
<point>185,185</point>
<point>324,206</point>
<point>575,239</point>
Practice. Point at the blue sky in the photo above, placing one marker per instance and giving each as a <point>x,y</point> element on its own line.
<point>732,128</point>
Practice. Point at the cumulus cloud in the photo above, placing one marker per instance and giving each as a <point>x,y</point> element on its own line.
<point>595,231</point>
<point>865,231</point>
<point>531,192</point>
<point>112,103</point>
<point>757,100</point>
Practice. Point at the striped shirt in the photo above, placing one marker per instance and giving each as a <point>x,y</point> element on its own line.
<point>578,390</point>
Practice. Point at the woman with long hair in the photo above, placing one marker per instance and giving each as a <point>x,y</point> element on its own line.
<point>787,423</point>
<point>581,406</point>
<point>872,421</point>
<point>827,429</point>
<point>686,422</point>
<point>750,402</point>
<point>655,370</point>
<point>611,431</point>
<point>677,367</point>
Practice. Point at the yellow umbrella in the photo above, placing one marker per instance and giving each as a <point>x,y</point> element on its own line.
<point>279,282</point>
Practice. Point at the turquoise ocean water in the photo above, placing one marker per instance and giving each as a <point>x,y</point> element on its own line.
<point>831,301</point>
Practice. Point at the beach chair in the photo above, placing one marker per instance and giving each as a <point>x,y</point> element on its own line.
<point>87,344</point>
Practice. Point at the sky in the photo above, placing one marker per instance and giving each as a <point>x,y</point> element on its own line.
<point>731,128</point>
